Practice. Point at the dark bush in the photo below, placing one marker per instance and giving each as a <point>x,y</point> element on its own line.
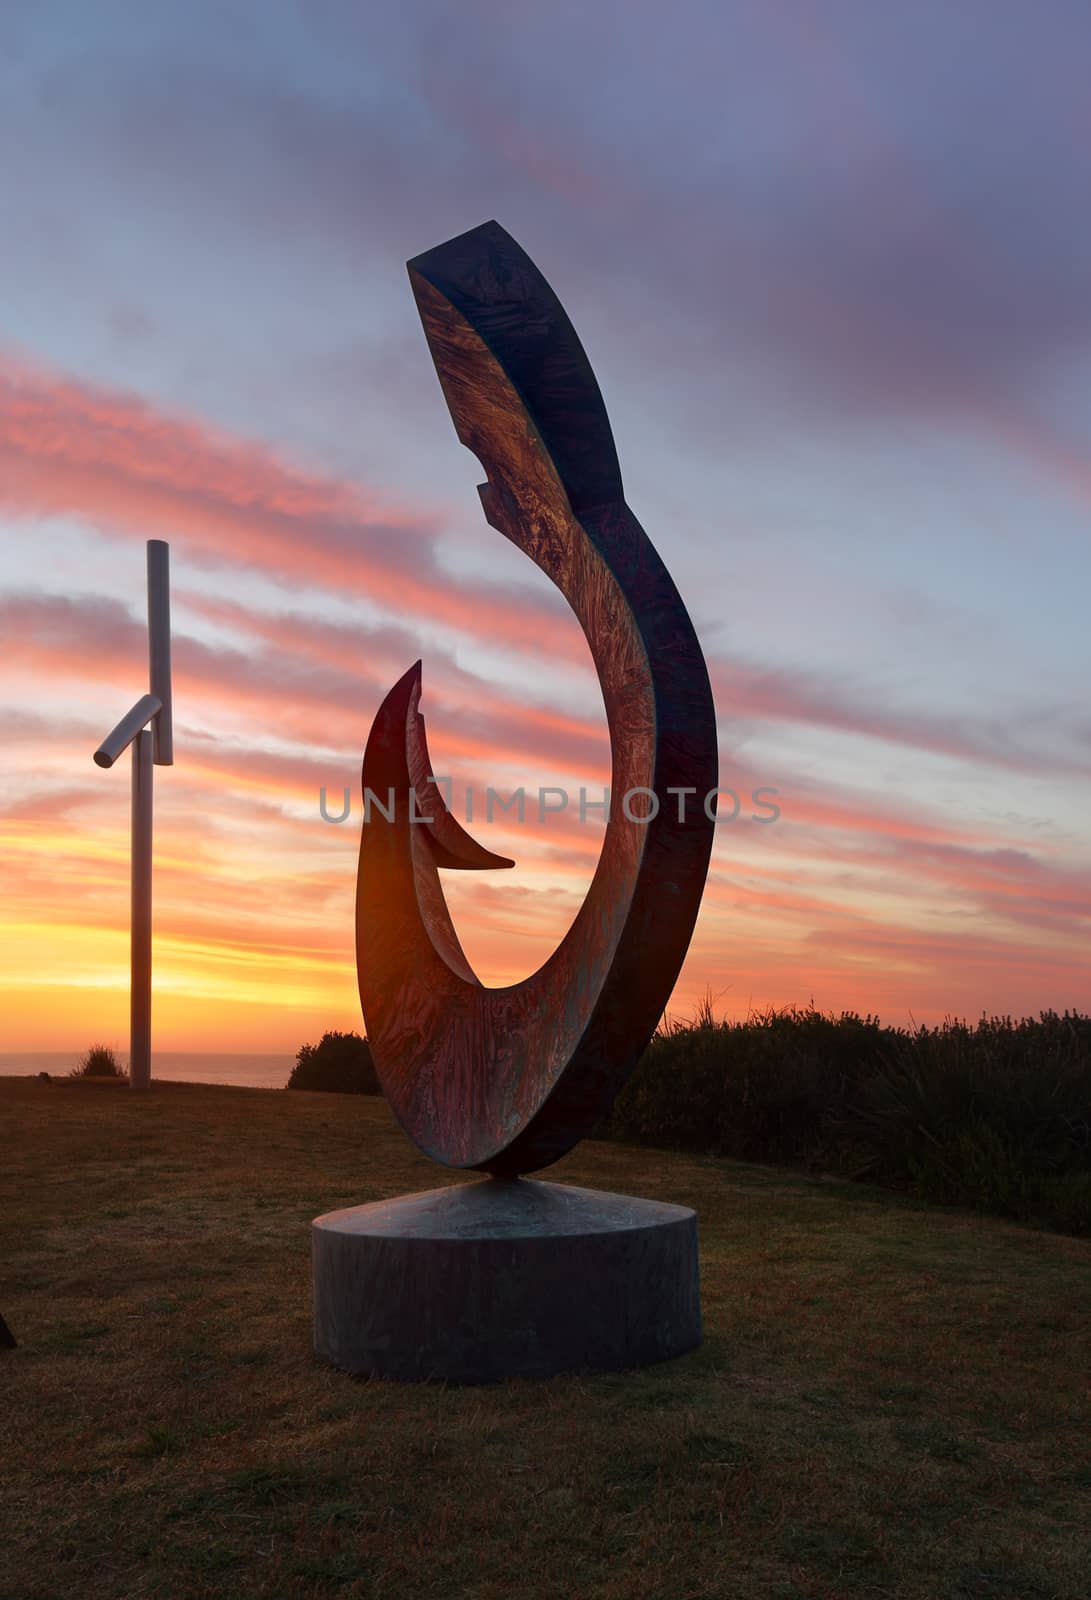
<point>99,1062</point>
<point>995,1116</point>
<point>766,1089</point>
<point>340,1062</point>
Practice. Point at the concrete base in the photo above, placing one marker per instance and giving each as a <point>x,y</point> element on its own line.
<point>504,1278</point>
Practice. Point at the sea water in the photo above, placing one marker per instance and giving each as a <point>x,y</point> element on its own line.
<point>251,1071</point>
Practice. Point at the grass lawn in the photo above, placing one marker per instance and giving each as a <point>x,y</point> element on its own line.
<point>890,1400</point>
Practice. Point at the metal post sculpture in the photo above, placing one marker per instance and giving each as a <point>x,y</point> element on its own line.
<point>508,1080</point>
<point>150,747</point>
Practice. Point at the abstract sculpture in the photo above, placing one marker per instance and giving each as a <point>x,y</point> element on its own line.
<point>508,1080</point>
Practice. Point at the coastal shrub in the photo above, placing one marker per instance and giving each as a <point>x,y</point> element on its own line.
<point>99,1062</point>
<point>340,1062</point>
<point>994,1116</point>
<point>766,1089</point>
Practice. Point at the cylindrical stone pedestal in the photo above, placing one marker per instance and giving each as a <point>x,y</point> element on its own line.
<point>504,1278</point>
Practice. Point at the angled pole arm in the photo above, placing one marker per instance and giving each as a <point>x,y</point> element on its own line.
<point>118,740</point>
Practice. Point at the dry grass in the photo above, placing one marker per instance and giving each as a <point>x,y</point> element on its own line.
<point>891,1401</point>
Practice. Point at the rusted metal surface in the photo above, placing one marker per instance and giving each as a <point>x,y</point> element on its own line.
<point>509,1079</point>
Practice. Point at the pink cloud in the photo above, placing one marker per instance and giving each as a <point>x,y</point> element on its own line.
<point>67,448</point>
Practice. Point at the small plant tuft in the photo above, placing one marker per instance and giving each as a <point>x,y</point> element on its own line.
<point>99,1062</point>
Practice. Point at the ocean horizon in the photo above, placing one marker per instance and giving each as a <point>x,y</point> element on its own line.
<point>243,1070</point>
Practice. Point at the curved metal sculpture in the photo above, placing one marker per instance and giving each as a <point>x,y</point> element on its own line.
<point>508,1080</point>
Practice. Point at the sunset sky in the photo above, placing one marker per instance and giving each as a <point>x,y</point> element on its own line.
<point>832,266</point>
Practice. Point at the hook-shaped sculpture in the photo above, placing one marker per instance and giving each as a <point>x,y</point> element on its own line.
<point>510,1079</point>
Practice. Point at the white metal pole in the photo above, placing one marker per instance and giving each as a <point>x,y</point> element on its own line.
<point>159,648</point>
<point>140,995</point>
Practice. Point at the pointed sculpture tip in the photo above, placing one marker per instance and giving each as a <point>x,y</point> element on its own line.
<point>485,230</point>
<point>410,678</point>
